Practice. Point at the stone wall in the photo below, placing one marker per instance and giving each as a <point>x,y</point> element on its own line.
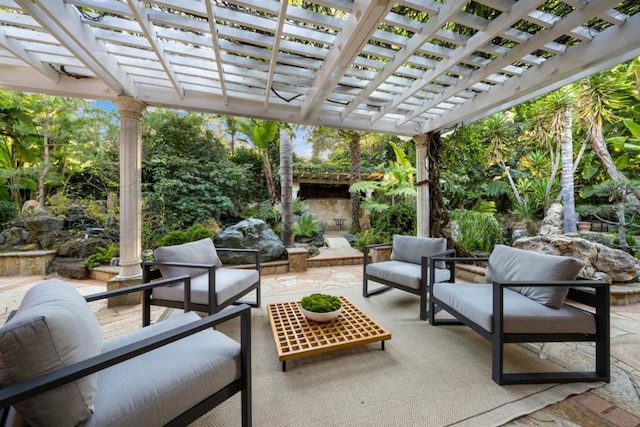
<point>325,210</point>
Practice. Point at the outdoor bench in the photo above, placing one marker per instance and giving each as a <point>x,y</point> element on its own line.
<point>56,370</point>
<point>408,269</point>
<point>531,298</point>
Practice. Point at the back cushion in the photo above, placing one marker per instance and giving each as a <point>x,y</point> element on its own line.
<point>412,248</point>
<point>507,264</point>
<point>53,328</point>
<point>198,252</point>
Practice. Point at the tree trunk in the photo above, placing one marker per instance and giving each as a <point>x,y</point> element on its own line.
<point>45,160</point>
<point>286,185</point>
<point>354,177</point>
<point>568,196</point>
<point>438,213</point>
<point>596,138</point>
<point>271,187</point>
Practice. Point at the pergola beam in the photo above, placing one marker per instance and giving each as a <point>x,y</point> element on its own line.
<point>612,46</point>
<point>211,16</point>
<point>20,52</point>
<point>150,33</point>
<point>61,21</point>
<point>356,32</point>
<point>277,36</point>
<point>539,40</point>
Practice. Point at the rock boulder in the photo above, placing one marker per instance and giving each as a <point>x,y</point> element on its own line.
<point>249,234</point>
<point>601,262</point>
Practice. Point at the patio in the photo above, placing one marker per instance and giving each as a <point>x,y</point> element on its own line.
<point>615,404</point>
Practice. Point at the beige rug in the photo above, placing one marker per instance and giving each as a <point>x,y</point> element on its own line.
<point>427,376</point>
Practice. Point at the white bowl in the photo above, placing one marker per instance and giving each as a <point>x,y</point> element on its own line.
<point>321,317</point>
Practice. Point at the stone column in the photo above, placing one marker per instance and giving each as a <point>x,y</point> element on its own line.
<point>422,178</point>
<point>130,187</point>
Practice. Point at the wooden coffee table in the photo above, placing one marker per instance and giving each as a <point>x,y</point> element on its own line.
<point>296,336</point>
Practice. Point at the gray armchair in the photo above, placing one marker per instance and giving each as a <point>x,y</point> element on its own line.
<point>55,369</point>
<point>408,269</point>
<point>211,288</point>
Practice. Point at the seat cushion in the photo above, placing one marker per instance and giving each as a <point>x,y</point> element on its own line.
<point>199,252</point>
<point>157,386</point>
<point>229,283</point>
<point>507,264</point>
<point>403,273</point>
<point>53,328</point>
<point>521,314</point>
<point>412,248</point>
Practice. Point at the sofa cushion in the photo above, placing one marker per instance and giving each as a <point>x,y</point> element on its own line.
<point>507,264</point>
<point>229,283</point>
<point>53,328</point>
<point>199,252</point>
<point>522,315</point>
<point>412,248</point>
<point>403,273</point>
<point>157,386</point>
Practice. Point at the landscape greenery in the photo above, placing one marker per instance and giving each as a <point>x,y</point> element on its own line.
<point>579,145</point>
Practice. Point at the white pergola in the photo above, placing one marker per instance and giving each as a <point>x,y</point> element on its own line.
<point>410,67</point>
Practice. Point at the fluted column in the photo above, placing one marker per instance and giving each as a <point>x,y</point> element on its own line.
<point>130,186</point>
<point>422,178</point>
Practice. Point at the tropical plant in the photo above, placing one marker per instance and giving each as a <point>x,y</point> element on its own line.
<point>307,226</point>
<point>101,257</point>
<point>262,133</point>
<point>477,231</point>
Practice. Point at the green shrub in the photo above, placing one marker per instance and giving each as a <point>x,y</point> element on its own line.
<point>307,226</point>
<point>101,257</point>
<point>7,211</point>
<point>191,234</point>
<point>400,218</point>
<point>321,303</point>
<point>370,237</point>
<point>478,231</point>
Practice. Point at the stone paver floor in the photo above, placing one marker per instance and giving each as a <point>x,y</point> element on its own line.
<point>616,404</point>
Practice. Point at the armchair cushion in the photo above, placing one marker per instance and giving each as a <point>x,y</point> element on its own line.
<point>507,264</point>
<point>199,252</point>
<point>403,273</point>
<point>54,327</point>
<point>202,364</point>
<point>229,283</point>
<point>412,249</point>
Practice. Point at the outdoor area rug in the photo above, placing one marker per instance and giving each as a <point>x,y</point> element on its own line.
<point>429,376</point>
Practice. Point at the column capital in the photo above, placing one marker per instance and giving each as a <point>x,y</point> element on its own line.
<point>130,107</point>
<point>421,140</point>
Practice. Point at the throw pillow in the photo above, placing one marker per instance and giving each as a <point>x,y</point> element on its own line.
<point>53,328</point>
<point>507,264</point>
<point>201,252</point>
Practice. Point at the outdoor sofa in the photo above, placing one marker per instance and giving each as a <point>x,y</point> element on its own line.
<point>529,297</point>
<point>409,269</point>
<point>56,371</point>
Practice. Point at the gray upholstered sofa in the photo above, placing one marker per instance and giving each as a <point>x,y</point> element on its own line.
<point>408,269</point>
<point>529,298</point>
<point>55,370</point>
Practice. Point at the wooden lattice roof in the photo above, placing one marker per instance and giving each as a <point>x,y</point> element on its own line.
<point>405,67</point>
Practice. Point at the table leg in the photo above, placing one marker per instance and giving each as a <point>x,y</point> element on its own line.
<point>284,366</point>
<point>382,342</point>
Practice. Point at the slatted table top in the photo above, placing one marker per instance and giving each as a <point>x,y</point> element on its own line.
<point>295,336</point>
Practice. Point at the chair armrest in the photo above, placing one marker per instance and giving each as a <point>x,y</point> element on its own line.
<point>450,262</point>
<point>57,378</point>
<point>137,288</point>
<point>255,252</point>
<point>365,251</point>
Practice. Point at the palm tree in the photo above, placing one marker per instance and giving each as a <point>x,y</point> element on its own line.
<point>286,182</point>
<point>500,132</point>
<point>262,133</point>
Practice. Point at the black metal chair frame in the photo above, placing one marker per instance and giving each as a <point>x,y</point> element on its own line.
<point>589,293</point>
<point>427,276</point>
<point>28,389</point>
<point>151,272</point>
